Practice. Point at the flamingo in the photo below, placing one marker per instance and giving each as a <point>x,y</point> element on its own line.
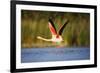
<point>56,36</point>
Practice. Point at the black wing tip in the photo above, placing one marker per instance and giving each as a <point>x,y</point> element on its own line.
<point>67,22</point>
<point>50,19</point>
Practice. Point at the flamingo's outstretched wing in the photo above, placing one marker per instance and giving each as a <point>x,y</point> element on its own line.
<point>62,28</point>
<point>52,27</point>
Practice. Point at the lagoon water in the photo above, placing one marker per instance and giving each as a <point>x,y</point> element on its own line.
<point>54,54</point>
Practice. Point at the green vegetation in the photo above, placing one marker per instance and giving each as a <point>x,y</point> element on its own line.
<point>35,23</point>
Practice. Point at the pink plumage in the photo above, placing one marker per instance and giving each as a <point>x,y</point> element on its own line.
<point>53,31</point>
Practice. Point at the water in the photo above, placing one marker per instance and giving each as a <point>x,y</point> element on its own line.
<point>54,54</point>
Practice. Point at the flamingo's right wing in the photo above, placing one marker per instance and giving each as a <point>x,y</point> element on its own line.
<point>52,27</point>
<point>62,28</point>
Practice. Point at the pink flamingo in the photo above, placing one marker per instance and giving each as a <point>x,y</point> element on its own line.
<point>56,36</point>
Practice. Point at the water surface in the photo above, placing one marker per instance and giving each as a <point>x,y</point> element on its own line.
<point>54,54</point>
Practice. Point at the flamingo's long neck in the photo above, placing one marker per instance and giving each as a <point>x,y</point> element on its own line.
<point>54,38</point>
<point>43,38</point>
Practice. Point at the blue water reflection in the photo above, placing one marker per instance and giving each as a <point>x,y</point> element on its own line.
<point>54,54</point>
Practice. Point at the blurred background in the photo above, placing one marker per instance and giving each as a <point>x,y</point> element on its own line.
<point>35,23</point>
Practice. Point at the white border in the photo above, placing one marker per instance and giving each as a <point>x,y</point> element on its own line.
<point>51,64</point>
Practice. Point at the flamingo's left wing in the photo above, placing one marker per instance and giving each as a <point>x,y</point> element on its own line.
<point>62,28</point>
<point>52,27</point>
